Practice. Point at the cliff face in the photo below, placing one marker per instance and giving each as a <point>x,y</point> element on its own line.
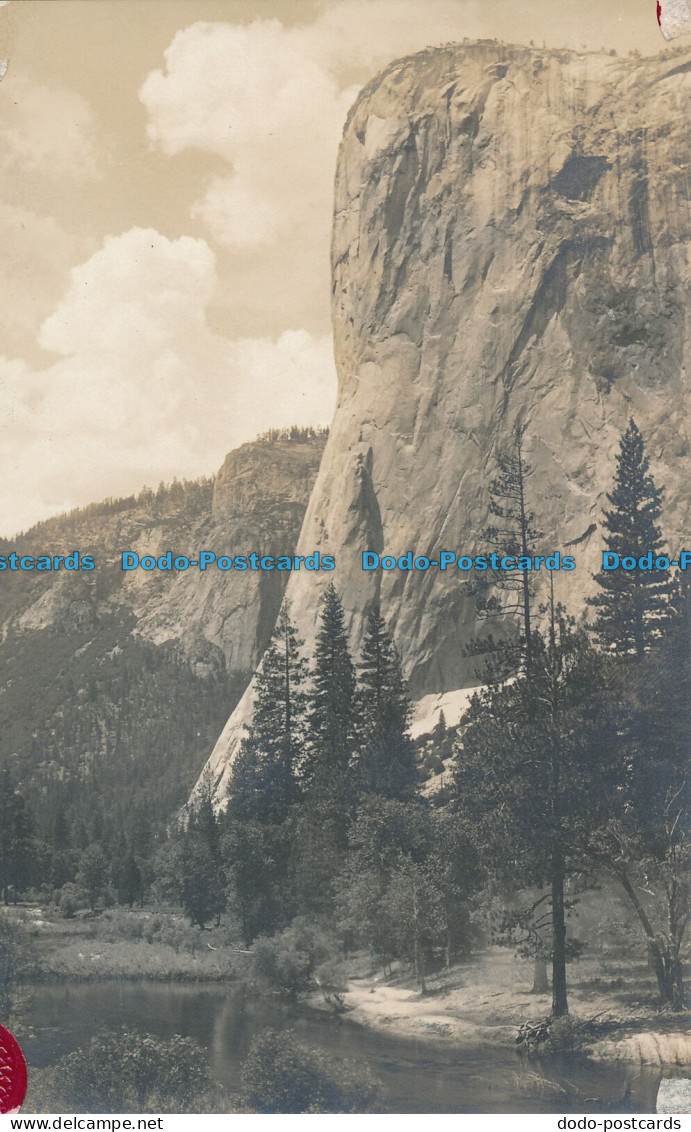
<point>114,685</point>
<point>511,244</point>
<point>257,502</point>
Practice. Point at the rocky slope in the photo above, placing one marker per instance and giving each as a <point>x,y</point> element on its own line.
<point>257,502</point>
<point>510,245</point>
<point>114,685</point>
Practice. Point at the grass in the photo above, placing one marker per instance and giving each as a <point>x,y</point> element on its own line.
<point>127,944</point>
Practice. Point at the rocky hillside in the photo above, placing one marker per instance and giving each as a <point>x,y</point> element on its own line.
<point>510,245</point>
<point>114,685</point>
<point>256,502</point>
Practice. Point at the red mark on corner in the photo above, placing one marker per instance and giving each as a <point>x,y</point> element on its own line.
<point>12,1073</point>
<point>659,13</point>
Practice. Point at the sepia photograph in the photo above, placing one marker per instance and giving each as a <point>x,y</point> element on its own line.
<point>345,557</point>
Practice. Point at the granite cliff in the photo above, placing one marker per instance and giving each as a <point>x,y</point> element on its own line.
<point>114,685</point>
<point>510,245</point>
<point>256,502</point>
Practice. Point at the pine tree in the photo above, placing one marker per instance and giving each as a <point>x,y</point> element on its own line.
<point>202,852</point>
<point>327,776</point>
<point>512,532</point>
<point>200,888</point>
<point>93,873</point>
<point>537,771</point>
<point>203,816</point>
<point>386,764</point>
<point>264,787</point>
<point>631,609</point>
<point>131,884</point>
<point>646,843</point>
<point>264,780</point>
<point>332,728</point>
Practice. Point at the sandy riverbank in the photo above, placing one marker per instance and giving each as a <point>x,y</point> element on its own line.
<point>487,999</point>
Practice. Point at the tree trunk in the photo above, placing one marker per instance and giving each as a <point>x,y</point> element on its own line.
<point>560,1005</point>
<point>677,985</point>
<point>419,964</point>
<point>540,980</point>
<point>657,965</point>
<point>417,948</point>
<point>667,968</point>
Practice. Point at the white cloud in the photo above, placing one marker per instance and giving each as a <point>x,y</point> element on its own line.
<point>49,150</point>
<point>261,98</point>
<point>47,130</point>
<point>271,102</point>
<point>34,265</point>
<point>142,389</point>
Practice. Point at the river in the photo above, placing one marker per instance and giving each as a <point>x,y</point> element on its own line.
<point>416,1076</point>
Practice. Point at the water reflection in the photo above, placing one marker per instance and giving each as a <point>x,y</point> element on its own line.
<point>416,1077</point>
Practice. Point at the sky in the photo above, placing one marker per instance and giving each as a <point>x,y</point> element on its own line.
<point>165,218</point>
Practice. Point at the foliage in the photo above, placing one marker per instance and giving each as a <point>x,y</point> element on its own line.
<point>93,874</point>
<point>288,960</point>
<point>332,980</point>
<point>386,761</point>
<point>255,857</point>
<point>126,1071</point>
<point>107,737</point>
<point>332,736</point>
<point>200,882</point>
<point>263,783</point>
<point>294,433</point>
<point>131,884</point>
<point>71,899</point>
<point>645,843</point>
<point>195,495</point>
<point>403,887</point>
<point>281,1076</point>
<point>512,532</point>
<point>536,770</point>
<point>326,775</point>
<point>631,609</point>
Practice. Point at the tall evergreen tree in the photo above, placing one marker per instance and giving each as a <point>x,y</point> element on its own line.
<point>536,773</point>
<point>264,782</point>
<point>202,854</point>
<point>511,532</point>
<point>200,887</point>
<point>93,873</point>
<point>632,607</point>
<point>264,787</point>
<point>327,776</point>
<point>131,885</point>
<point>332,723</point>
<point>386,763</point>
<point>647,841</point>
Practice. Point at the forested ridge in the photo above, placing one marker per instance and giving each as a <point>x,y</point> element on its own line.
<point>113,687</point>
<point>568,771</point>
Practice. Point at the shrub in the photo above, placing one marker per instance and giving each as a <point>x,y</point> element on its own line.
<point>117,924</point>
<point>332,981</point>
<point>564,1035</point>
<point>281,1076</point>
<point>71,899</point>
<point>288,960</point>
<point>125,1071</point>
